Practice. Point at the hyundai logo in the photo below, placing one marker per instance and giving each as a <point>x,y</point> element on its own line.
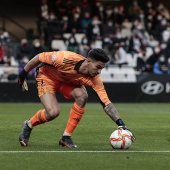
<point>152,87</point>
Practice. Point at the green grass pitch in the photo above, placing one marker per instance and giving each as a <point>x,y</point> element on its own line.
<point>149,122</point>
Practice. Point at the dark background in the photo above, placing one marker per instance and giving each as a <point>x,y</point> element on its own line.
<point>24,7</point>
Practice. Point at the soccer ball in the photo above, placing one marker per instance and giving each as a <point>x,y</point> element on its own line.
<point>120,139</point>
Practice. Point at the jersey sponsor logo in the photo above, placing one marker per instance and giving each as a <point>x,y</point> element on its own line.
<point>152,87</point>
<point>53,57</point>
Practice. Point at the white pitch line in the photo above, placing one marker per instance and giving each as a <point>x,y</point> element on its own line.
<point>1,152</point>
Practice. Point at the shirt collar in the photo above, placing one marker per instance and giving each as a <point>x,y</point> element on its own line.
<point>77,66</point>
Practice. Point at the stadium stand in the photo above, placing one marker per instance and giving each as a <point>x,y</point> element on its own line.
<point>137,27</point>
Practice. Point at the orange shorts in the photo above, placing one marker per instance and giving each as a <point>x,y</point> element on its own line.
<point>46,85</point>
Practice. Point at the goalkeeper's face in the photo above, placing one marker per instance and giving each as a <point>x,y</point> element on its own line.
<point>95,67</point>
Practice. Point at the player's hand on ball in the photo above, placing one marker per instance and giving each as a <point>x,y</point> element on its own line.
<point>128,130</point>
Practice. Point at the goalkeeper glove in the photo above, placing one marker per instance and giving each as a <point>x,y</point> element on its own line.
<point>128,130</point>
<point>22,80</point>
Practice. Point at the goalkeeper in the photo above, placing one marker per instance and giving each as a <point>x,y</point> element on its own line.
<point>67,73</point>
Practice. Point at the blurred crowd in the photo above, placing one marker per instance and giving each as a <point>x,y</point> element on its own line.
<point>136,36</point>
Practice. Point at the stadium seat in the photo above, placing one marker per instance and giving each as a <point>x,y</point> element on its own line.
<point>66,35</point>
<point>131,60</point>
<point>116,74</point>
<point>79,37</point>
<point>98,44</point>
<point>154,43</point>
<point>58,45</point>
<point>149,51</point>
<point>126,32</point>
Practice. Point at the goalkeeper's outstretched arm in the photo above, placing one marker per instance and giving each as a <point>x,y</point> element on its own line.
<point>114,115</point>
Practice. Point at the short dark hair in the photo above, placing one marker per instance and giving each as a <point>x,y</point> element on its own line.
<point>98,54</point>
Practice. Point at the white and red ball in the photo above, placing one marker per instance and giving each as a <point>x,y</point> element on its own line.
<point>120,139</point>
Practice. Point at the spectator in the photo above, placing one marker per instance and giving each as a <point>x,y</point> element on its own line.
<point>142,18</point>
<point>75,21</point>
<point>23,50</point>
<point>108,13</point>
<point>161,7</point>
<point>107,45</point>
<point>93,44</point>
<point>2,54</point>
<point>136,42</point>
<point>6,42</point>
<point>126,28</point>
<point>85,22</point>
<point>94,31</point>
<point>151,22</point>
<point>162,66</point>
<point>98,10</point>
<point>165,36</point>
<point>43,10</point>
<point>54,29</point>
<point>134,10</point>
<point>119,14</point>
<point>163,47</point>
<point>5,37</point>
<point>142,33</point>
<point>36,48</point>
<point>65,22</point>
<point>168,45</point>
<point>109,29</point>
<point>153,58</point>
<point>119,39</point>
<point>141,65</point>
<point>160,27</point>
<point>119,56</point>
<point>84,46</point>
<point>149,6</point>
<point>72,44</point>
<point>43,15</point>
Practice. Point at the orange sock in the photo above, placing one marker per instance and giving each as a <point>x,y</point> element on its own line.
<point>76,114</point>
<point>38,118</point>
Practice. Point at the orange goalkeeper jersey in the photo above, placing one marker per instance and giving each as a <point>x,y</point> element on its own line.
<point>62,66</point>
